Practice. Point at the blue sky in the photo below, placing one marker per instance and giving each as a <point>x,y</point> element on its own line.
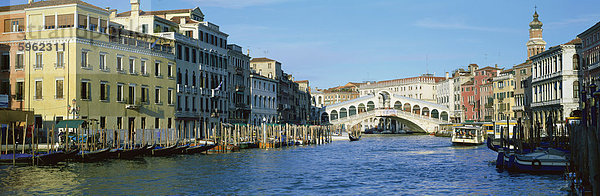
<point>331,42</point>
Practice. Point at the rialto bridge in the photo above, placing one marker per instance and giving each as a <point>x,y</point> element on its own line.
<point>387,112</point>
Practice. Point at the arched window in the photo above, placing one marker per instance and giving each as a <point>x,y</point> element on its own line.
<point>575,89</point>
<point>194,78</point>
<point>576,62</point>
<point>186,77</point>
<point>370,106</point>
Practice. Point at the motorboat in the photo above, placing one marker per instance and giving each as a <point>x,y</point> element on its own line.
<point>468,135</point>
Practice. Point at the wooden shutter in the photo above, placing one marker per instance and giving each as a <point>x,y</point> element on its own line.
<point>49,24</point>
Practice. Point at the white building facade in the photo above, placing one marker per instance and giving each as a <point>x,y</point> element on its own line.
<point>555,83</point>
<point>421,87</point>
<point>263,93</point>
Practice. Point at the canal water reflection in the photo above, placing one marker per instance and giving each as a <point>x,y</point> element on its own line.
<point>413,165</point>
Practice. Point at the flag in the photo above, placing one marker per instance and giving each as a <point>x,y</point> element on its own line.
<point>154,44</point>
<point>219,87</point>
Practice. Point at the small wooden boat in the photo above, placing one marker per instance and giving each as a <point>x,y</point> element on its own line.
<point>92,156</point>
<point>540,161</point>
<point>163,151</point>
<point>198,149</point>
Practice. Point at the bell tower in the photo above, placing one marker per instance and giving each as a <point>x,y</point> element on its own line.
<point>536,44</point>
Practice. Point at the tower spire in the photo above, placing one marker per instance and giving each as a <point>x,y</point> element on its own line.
<point>536,44</point>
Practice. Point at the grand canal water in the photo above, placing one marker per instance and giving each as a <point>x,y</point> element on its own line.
<point>379,165</point>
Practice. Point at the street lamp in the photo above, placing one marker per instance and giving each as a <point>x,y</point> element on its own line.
<point>264,131</point>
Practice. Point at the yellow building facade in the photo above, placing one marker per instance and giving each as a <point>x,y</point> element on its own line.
<point>504,95</point>
<point>80,65</point>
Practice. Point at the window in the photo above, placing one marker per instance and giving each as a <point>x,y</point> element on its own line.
<point>169,123</point>
<point>119,63</point>
<point>157,69</point>
<point>143,123</point>
<point>156,123</point>
<point>102,122</point>
<point>102,62</point>
<point>187,54</point>
<point>132,66</point>
<point>5,61</point>
<point>85,89</point>
<point>103,91</point>
<point>170,70</point>
<point>49,22</point>
<point>119,122</point>
<point>19,90</point>
<point>143,67</point>
<point>179,52</point>
<point>575,89</point>
<point>38,89</point>
<point>66,21</point>
<point>131,94</point>
<point>144,94</point>
<point>84,60</point>
<point>103,25</point>
<point>93,24</point>
<point>39,61</point>
<point>194,56</point>
<point>157,95</point>
<point>19,61</point>
<point>119,92</point>
<point>60,59</point>
<point>144,28</point>
<point>82,21</point>
<point>170,96</point>
<point>14,25</point>
<point>59,89</point>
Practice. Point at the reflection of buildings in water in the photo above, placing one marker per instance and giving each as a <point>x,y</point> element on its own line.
<point>39,180</point>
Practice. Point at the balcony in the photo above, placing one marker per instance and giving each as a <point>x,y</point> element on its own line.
<point>180,88</point>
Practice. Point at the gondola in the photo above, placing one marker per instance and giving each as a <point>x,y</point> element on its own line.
<point>198,149</point>
<point>163,151</point>
<point>27,159</point>
<point>181,149</point>
<point>352,138</point>
<point>131,153</point>
<point>92,156</point>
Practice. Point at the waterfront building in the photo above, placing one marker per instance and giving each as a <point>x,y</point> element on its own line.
<point>471,93</point>
<point>201,56</point>
<point>303,99</point>
<point>239,81</point>
<point>289,95</point>
<point>338,94</point>
<point>445,91</point>
<point>504,85</point>
<point>522,107</point>
<point>421,87</point>
<point>12,67</point>
<point>486,112</point>
<point>555,82</point>
<point>589,55</point>
<point>263,91</point>
<point>94,69</point>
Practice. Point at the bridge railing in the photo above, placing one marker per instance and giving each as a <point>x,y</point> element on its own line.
<point>385,112</point>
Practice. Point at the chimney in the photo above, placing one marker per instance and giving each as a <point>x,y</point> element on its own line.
<point>135,7</point>
<point>447,75</point>
<point>182,20</point>
<point>30,1</point>
<point>248,50</point>
<point>496,66</point>
<point>113,12</point>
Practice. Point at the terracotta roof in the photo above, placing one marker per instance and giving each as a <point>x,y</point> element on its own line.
<point>177,19</point>
<point>468,83</point>
<point>506,71</point>
<point>301,81</point>
<point>574,42</point>
<point>46,4</point>
<point>489,67</point>
<point>436,79</point>
<point>263,59</point>
<point>159,12</point>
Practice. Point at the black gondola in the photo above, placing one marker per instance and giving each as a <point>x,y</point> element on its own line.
<point>92,156</point>
<point>354,138</point>
<point>198,149</point>
<point>163,151</point>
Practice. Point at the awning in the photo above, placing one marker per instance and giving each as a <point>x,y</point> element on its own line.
<point>9,116</point>
<point>69,123</point>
